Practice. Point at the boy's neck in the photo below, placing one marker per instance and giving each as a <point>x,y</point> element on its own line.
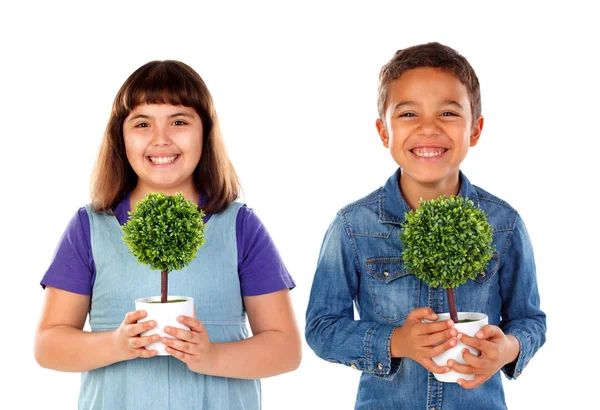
<point>413,191</point>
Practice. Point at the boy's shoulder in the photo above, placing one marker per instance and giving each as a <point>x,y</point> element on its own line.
<point>368,202</point>
<point>501,214</point>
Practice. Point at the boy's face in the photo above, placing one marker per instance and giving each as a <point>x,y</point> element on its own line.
<point>428,126</point>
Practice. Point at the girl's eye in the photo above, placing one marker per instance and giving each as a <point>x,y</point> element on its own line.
<point>142,125</point>
<point>178,122</point>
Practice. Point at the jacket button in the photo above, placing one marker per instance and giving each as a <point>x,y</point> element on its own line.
<point>353,365</point>
<point>482,274</point>
<point>379,366</point>
<point>386,273</point>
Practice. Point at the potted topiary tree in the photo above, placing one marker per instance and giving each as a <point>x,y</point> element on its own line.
<point>165,233</point>
<point>448,241</point>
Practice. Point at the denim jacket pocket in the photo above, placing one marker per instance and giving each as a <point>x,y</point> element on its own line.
<point>394,290</point>
<point>490,270</point>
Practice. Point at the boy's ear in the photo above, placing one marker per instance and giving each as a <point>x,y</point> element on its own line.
<point>476,131</point>
<point>382,131</point>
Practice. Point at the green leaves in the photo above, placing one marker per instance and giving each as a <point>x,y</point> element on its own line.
<point>447,241</point>
<point>164,231</point>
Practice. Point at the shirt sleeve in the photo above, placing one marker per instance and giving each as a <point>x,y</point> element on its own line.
<point>260,267</point>
<point>72,266</point>
<point>521,313</point>
<point>331,330</point>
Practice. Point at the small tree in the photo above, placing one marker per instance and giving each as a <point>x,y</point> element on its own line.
<point>447,241</point>
<point>165,232</point>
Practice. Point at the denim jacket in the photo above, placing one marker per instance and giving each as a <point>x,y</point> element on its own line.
<point>360,265</point>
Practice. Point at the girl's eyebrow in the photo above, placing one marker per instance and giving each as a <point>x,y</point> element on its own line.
<point>144,116</point>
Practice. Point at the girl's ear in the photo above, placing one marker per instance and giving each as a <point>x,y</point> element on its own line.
<point>382,131</point>
<point>476,131</point>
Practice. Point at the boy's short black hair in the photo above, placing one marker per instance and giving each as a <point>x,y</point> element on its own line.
<point>434,55</point>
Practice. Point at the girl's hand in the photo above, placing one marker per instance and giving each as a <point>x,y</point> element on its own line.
<point>192,346</point>
<point>422,341</point>
<point>128,341</point>
<point>496,349</point>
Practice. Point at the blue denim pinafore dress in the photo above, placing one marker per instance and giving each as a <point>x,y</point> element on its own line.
<point>164,382</point>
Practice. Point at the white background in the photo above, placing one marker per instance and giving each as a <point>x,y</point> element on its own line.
<point>294,85</point>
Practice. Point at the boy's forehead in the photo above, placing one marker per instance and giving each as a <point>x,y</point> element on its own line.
<point>426,83</point>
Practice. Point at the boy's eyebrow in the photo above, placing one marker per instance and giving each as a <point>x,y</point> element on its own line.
<point>452,102</point>
<point>445,102</point>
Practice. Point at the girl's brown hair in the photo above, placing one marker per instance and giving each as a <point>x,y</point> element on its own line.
<point>163,82</point>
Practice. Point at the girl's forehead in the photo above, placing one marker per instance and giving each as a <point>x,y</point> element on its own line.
<point>165,109</point>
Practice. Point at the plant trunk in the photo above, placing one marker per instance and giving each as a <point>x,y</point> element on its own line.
<point>164,286</point>
<point>452,304</point>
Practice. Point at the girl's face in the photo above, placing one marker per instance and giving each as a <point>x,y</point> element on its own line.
<point>163,143</point>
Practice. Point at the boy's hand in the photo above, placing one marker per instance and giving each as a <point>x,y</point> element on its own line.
<point>496,349</point>
<point>191,346</point>
<point>422,341</point>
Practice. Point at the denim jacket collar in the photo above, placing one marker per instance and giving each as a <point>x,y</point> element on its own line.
<point>393,207</point>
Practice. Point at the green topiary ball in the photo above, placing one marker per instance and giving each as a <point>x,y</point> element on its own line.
<point>165,232</point>
<point>447,241</point>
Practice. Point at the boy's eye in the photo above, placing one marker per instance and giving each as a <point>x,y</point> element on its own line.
<point>407,114</point>
<point>448,114</point>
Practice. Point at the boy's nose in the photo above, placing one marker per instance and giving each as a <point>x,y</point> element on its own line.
<point>428,127</point>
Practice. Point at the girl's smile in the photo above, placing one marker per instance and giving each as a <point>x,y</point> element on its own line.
<point>163,143</point>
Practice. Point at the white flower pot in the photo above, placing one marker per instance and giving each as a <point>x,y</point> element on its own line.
<point>455,353</point>
<point>164,314</point>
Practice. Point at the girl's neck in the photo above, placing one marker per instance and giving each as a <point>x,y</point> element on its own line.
<point>414,191</point>
<point>191,193</point>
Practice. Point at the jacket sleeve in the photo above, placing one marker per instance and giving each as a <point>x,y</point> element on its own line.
<point>331,329</point>
<point>521,313</point>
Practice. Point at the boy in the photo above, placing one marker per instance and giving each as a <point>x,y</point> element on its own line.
<point>429,115</point>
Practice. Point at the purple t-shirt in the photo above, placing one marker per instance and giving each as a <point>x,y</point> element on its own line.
<point>260,267</point>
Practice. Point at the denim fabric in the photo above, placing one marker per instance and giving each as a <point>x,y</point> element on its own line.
<point>360,265</point>
<point>164,382</point>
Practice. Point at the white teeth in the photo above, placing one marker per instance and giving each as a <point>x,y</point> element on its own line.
<point>163,160</point>
<point>428,152</point>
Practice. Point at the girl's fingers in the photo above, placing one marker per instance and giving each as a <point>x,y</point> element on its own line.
<point>484,346</point>
<point>139,328</point>
<point>178,345</point>
<point>134,316</point>
<point>193,323</point>
<point>142,341</point>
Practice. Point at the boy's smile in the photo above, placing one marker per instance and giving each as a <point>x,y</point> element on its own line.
<point>428,128</point>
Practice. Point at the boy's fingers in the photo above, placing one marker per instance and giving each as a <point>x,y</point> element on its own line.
<point>470,384</point>
<point>479,344</point>
<point>434,368</point>
<point>434,327</point>
<point>488,332</point>
<point>421,313</point>
<point>441,348</point>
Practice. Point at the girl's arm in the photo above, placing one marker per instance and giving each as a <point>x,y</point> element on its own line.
<point>61,344</point>
<point>274,348</point>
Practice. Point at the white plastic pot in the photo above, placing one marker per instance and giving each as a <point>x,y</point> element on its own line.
<point>455,353</point>
<point>164,314</point>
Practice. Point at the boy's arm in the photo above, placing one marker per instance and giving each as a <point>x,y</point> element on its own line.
<point>521,313</point>
<point>331,330</point>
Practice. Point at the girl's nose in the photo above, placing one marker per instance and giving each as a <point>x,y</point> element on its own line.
<point>160,137</point>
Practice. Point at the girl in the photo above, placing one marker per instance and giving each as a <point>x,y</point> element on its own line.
<point>163,136</point>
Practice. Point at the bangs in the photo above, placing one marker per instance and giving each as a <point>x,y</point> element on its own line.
<point>161,82</point>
